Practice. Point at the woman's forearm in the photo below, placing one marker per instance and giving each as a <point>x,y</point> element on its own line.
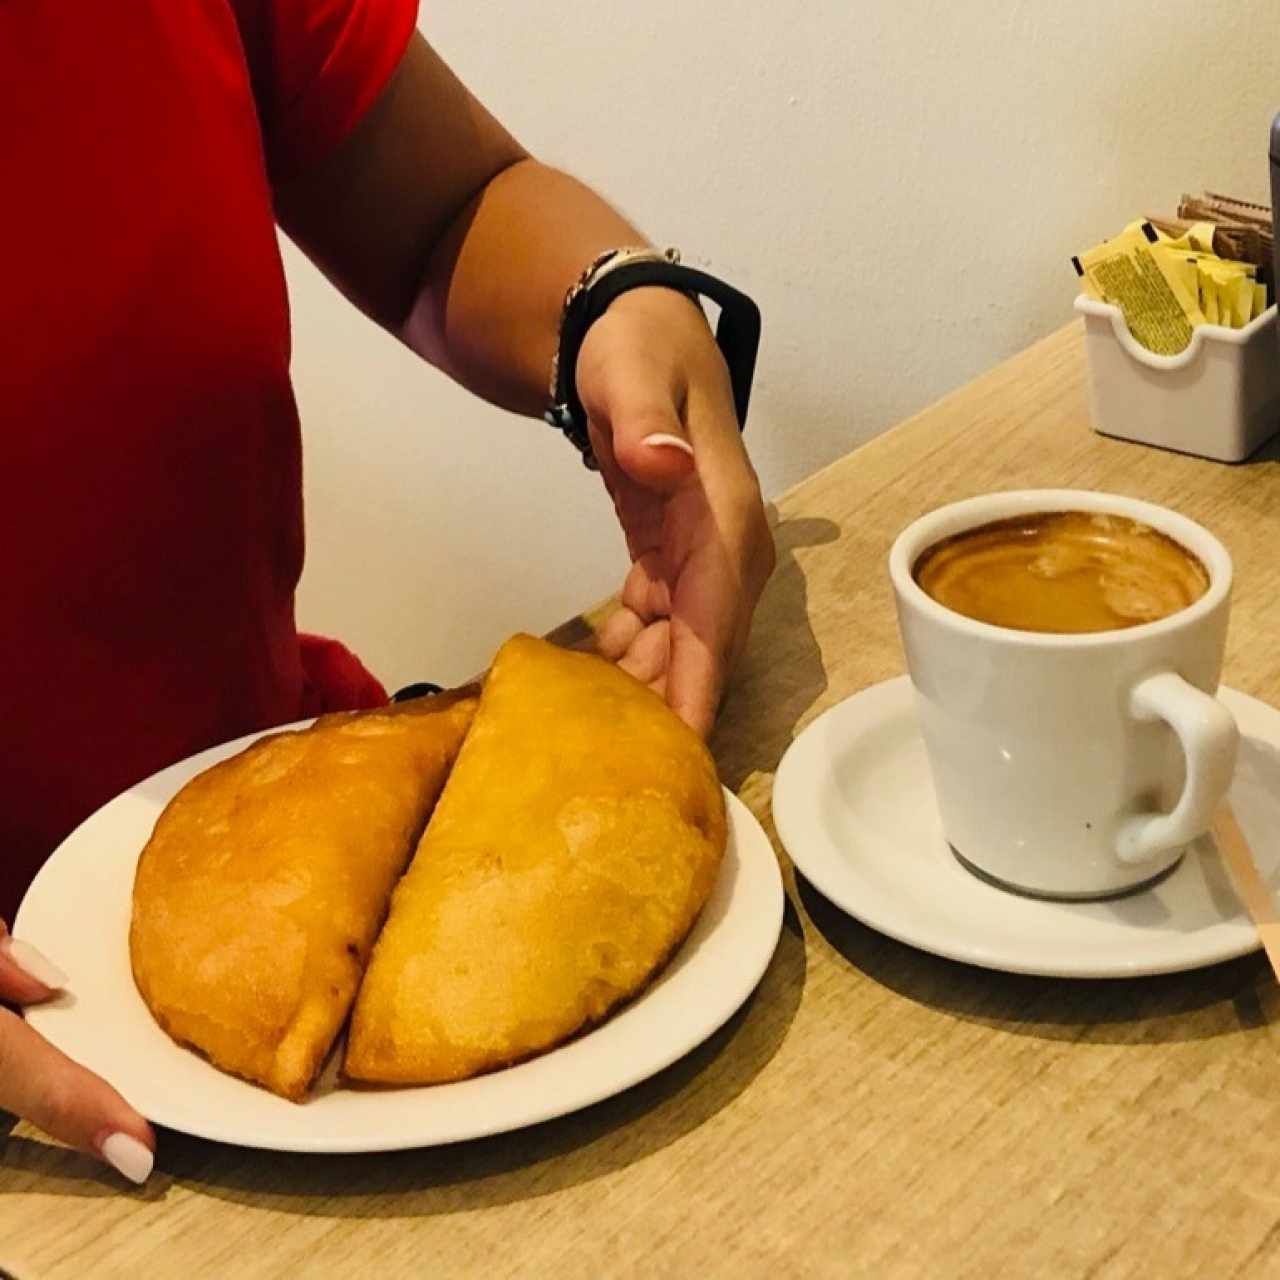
<point>488,310</point>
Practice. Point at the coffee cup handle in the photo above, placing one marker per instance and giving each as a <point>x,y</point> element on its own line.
<point>1208,735</point>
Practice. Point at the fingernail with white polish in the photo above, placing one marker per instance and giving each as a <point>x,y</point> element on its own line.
<point>35,964</point>
<point>660,440</point>
<point>128,1156</point>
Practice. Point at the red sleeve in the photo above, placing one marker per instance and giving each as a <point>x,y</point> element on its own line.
<point>317,67</point>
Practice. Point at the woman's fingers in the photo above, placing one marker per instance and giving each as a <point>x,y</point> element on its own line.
<point>26,974</point>
<point>42,1085</point>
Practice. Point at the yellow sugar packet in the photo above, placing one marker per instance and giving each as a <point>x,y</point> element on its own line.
<point>1259,299</point>
<point>1223,286</point>
<point>1225,268</point>
<point>1148,288</point>
<point>1233,284</point>
<point>1209,299</point>
<point>1198,237</point>
<point>1201,236</point>
<point>1183,264</point>
<point>1194,263</point>
<point>1236,295</point>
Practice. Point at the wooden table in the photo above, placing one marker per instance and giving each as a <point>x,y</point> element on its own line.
<point>873,1110</point>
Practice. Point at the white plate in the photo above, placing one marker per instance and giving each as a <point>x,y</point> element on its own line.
<point>77,911</point>
<point>854,806</point>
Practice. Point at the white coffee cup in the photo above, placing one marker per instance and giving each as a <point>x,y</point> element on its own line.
<point>1069,766</point>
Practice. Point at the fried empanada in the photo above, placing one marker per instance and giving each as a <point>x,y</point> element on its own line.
<point>575,843</point>
<point>259,895</point>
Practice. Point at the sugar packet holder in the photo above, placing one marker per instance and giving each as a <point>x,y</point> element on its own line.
<point>1218,398</point>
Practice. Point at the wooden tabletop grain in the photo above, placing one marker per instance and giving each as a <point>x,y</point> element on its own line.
<point>873,1110</point>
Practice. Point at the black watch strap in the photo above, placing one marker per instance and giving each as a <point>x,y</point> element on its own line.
<point>737,336</point>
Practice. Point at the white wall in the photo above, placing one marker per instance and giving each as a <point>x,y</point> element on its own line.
<point>900,184</point>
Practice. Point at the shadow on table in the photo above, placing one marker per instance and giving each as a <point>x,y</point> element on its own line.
<point>775,684</point>
<point>1269,451</point>
<point>1196,1005</point>
<point>509,1167</point>
<point>28,1166</point>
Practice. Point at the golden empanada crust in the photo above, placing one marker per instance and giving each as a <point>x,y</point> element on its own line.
<point>260,893</point>
<point>576,841</point>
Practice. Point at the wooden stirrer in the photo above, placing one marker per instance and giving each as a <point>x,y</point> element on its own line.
<point>1252,889</point>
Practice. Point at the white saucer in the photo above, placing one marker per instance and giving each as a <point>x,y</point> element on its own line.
<point>854,806</point>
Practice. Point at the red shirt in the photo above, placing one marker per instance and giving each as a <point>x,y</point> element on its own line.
<point>151,523</point>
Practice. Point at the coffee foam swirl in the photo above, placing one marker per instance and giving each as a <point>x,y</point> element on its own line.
<point>1065,572</point>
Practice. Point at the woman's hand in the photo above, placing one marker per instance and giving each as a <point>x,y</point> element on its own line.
<point>662,424</point>
<point>43,1085</point>
<point>441,226</point>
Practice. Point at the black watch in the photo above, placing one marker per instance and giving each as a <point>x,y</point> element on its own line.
<point>609,276</point>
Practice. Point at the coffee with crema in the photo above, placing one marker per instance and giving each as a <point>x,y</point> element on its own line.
<point>1063,572</point>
